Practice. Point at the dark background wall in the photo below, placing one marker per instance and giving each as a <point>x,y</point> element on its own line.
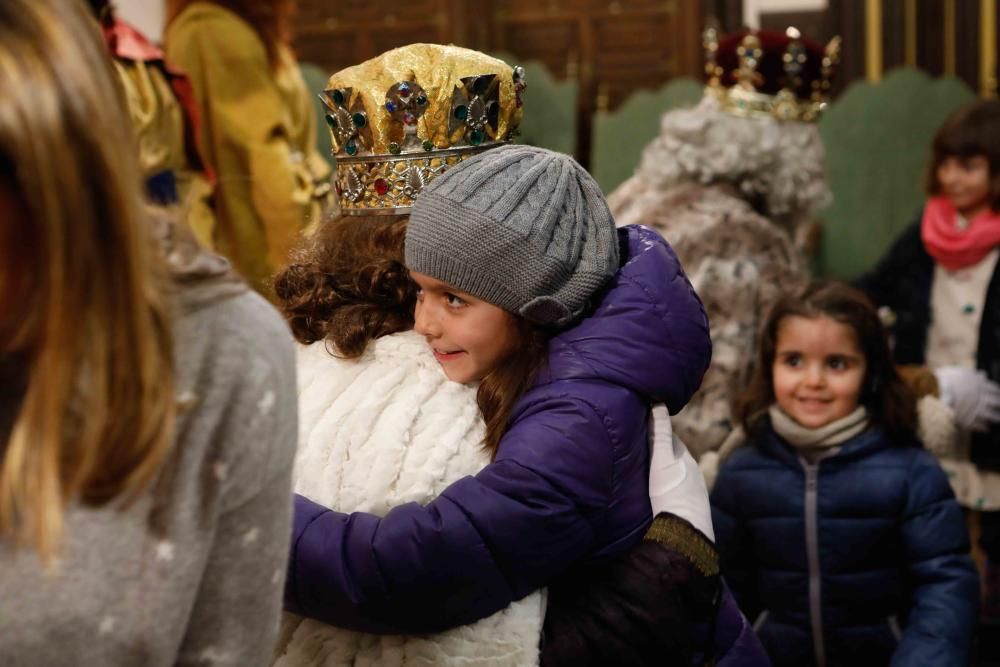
<point>613,48</point>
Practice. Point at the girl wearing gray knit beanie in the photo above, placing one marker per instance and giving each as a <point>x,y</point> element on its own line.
<point>525,293</point>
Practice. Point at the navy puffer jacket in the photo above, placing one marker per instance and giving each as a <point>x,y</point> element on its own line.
<point>570,480</point>
<point>860,558</point>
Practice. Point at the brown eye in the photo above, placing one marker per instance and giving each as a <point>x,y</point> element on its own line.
<point>793,360</point>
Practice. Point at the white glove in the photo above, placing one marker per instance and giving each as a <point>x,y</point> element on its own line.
<point>675,483</point>
<point>973,397</point>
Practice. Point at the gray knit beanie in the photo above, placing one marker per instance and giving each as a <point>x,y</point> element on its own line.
<point>524,228</point>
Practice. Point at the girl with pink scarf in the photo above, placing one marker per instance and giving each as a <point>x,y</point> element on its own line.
<point>940,289</point>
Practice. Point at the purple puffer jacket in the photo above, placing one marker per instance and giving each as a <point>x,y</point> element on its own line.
<point>736,645</point>
<point>570,480</point>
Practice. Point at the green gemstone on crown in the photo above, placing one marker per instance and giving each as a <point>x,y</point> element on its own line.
<point>351,147</point>
<point>477,137</point>
<point>359,119</point>
<point>428,145</point>
<point>394,148</point>
<point>461,112</point>
<point>331,121</point>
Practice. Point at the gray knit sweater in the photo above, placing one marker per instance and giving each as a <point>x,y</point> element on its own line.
<point>192,573</point>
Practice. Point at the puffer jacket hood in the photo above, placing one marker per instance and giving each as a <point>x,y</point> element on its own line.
<point>648,333</point>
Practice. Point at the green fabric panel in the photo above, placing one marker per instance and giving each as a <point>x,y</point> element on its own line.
<point>877,140</point>
<point>549,107</point>
<point>620,136</point>
<point>316,79</point>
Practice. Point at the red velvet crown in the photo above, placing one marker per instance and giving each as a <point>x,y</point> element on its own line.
<point>761,73</point>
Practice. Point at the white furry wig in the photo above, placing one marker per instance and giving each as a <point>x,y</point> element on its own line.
<point>778,166</point>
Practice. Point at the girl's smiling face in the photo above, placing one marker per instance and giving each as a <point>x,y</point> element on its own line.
<point>470,337</point>
<point>966,182</point>
<point>818,370</point>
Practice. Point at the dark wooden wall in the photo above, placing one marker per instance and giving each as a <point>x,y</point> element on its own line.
<point>610,47</point>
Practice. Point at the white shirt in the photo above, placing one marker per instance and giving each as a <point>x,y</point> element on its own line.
<point>957,302</point>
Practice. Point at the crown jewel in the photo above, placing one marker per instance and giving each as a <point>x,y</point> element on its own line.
<point>400,120</point>
<point>766,74</point>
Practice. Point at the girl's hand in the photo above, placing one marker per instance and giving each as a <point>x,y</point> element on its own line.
<point>973,397</point>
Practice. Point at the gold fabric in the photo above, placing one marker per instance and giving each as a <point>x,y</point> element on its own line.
<point>158,119</point>
<point>258,131</point>
<point>438,70</point>
<point>682,537</point>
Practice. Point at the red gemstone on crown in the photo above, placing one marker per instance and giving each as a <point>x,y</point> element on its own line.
<point>381,186</point>
<point>409,118</point>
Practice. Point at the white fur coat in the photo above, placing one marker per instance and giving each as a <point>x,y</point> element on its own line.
<point>376,432</point>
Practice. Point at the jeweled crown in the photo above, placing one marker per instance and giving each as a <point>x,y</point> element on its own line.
<point>766,74</point>
<point>403,118</point>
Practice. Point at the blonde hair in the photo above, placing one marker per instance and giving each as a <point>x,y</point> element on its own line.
<point>82,289</point>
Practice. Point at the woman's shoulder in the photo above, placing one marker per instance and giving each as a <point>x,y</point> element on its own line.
<point>226,323</point>
<point>403,355</point>
<point>404,348</point>
<point>236,390</point>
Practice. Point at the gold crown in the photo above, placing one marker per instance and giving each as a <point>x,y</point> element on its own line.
<point>403,118</point>
<point>765,74</point>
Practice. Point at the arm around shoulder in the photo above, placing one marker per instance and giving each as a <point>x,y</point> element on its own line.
<point>486,541</point>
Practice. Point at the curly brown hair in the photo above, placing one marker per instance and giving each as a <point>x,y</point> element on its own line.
<point>503,386</point>
<point>348,284</point>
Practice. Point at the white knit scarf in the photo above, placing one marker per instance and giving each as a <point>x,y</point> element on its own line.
<point>830,435</point>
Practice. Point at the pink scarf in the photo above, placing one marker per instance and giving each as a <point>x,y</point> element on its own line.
<point>955,248</point>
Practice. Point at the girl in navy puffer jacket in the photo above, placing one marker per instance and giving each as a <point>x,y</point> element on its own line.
<point>836,530</point>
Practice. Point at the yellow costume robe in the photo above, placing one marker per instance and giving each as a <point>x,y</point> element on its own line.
<point>257,136</point>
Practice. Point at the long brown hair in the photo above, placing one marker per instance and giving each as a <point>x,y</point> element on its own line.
<point>890,404</point>
<point>83,293</point>
<point>974,129</point>
<point>500,390</point>
<point>348,284</point>
<point>270,19</point>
